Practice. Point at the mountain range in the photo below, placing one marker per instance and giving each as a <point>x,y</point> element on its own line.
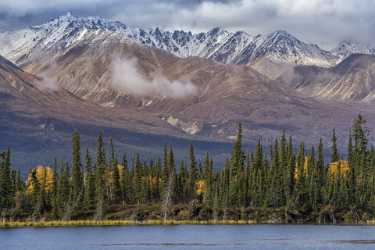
<point>149,87</point>
<point>217,44</point>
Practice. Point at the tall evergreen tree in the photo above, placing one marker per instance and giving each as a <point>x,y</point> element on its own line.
<point>113,153</point>
<point>335,154</point>
<point>139,190</point>
<point>89,182</point>
<point>193,173</point>
<point>236,166</point>
<point>76,168</point>
<point>38,196</point>
<point>116,184</point>
<point>208,177</point>
<point>126,186</point>
<point>100,178</point>
<point>6,195</point>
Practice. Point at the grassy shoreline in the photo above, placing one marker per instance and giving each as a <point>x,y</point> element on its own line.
<point>83,223</point>
<point>102,223</point>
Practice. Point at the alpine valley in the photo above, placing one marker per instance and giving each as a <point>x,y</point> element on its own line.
<point>149,87</point>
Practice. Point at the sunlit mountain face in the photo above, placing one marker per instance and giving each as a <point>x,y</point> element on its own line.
<point>95,74</point>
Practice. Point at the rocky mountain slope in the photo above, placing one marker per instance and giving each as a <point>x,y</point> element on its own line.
<point>153,87</point>
<point>217,44</point>
<point>272,54</point>
<point>352,80</point>
<point>36,122</point>
<point>117,76</point>
<point>346,48</point>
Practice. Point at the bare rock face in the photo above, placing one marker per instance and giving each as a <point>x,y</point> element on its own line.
<point>352,80</point>
<point>36,122</point>
<point>146,90</point>
<point>346,48</point>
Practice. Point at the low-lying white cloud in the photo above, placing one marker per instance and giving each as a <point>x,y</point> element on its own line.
<point>47,83</point>
<point>127,78</point>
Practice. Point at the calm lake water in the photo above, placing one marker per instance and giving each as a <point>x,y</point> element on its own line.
<point>261,237</point>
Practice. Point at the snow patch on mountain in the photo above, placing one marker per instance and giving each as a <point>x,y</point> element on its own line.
<point>60,34</point>
<point>348,47</point>
<point>218,44</point>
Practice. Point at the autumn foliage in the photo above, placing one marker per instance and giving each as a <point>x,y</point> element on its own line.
<point>44,175</point>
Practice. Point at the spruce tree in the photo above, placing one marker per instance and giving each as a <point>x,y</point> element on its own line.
<point>138,181</point>
<point>335,155</point>
<point>182,188</point>
<point>172,174</point>
<point>352,174</point>
<point>55,195</point>
<point>63,187</point>
<point>89,182</point>
<point>112,190</point>
<point>113,153</point>
<point>100,178</point>
<point>193,173</point>
<point>6,195</point>
<point>321,171</point>
<point>360,134</point>
<point>237,154</point>
<point>125,181</point>
<point>116,184</point>
<point>166,166</point>
<point>301,174</point>
<point>37,195</point>
<point>76,169</point>
<point>236,166</point>
<point>208,177</point>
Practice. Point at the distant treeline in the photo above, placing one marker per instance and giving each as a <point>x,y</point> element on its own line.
<point>277,183</point>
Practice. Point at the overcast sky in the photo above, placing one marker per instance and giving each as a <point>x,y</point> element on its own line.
<point>320,21</point>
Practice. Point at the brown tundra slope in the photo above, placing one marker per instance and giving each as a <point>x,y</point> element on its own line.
<point>223,94</point>
<point>37,119</point>
<point>351,81</point>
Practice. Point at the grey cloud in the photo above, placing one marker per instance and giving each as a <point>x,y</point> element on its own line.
<point>320,21</point>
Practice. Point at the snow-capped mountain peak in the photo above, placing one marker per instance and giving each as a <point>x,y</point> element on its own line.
<point>282,47</point>
<point>217,44</point>
<point>281,34</point>
<point>91,22</point>
<point>57,34</point>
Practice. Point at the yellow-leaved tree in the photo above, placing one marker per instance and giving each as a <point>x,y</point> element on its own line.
<point>44,175</point>
<point>338,167</point>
